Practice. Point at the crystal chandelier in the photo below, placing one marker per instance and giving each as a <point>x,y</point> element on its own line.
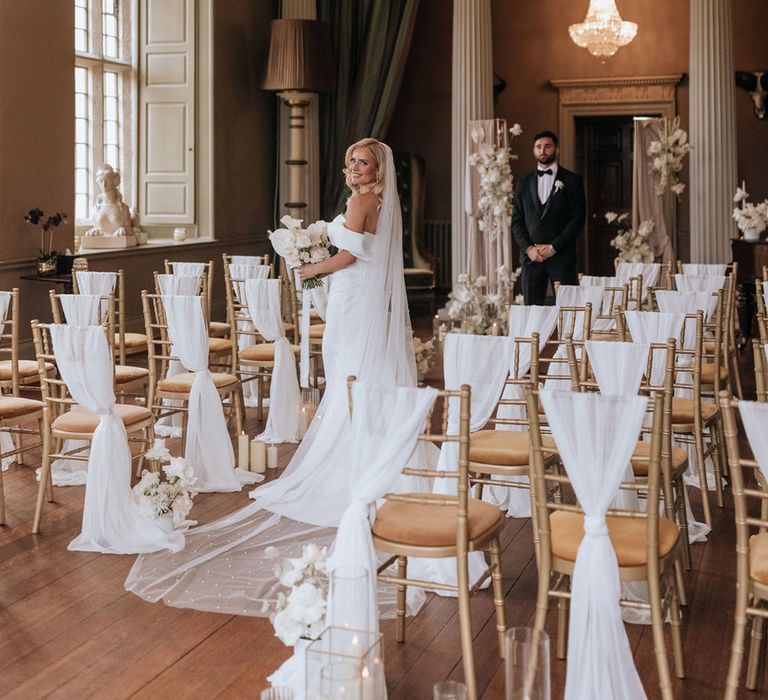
<point>603,31</point>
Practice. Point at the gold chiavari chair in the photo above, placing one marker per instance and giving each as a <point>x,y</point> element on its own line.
<point>130,381</point>
<point>761,369</point>
<point>178,387</point>
<point>256,360</point>
<point>762,314</point>
<point>64,420</point>
<point>751,555</point>
<point>435,526</point>
<point>290,299</point>
<point>125,343</point>
<point>647,546</point>
<point>614,301</point>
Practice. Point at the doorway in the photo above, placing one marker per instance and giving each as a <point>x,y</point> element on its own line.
<point>603,155</point>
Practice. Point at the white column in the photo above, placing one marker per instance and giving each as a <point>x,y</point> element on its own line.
<point>300,9</point>
<point>471,98</point>
<point>712,131</point>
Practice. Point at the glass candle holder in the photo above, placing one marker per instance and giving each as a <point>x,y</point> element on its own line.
<point>526,665</point>
<point>277,694</point>
<point>349,597</point>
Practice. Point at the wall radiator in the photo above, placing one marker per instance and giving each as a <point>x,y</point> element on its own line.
<point>437,241</point>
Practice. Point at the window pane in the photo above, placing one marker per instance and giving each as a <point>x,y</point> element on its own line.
<point>110,30</point>
<point>81,131</point>
<point>81,40</point>
<point>81,206</point>
<point>81,18</point>
<point>111,47</point>
<point>81,155</point>
<point>81,79</point>
<point>112,156</point>
<point>110,108</point>
<point>110,84</point>
<point>81,180</point>
<point>110,133</point>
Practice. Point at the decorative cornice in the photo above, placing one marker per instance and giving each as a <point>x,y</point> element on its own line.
<point>617,82</point>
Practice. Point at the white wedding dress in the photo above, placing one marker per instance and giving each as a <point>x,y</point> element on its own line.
<point>228,565</point>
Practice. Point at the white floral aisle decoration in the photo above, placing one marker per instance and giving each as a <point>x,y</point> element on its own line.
<point>424,353</point>
<point>667,154</point>
<point>752,219</point>
<point>496,189</point>
<point>479,311</point>
<point>300,612</point>
<point>632,245</point>
<point>302,246</point>
<point>171,497</point>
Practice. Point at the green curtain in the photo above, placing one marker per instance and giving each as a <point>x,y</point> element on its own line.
<point>371,39</point>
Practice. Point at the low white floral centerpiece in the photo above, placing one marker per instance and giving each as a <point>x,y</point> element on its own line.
<point>479,311</point>
<point>667,153</point>
<point>300,613</point>
<point>752,219</point>
<point>632,245</point>
<point>301,246</point>
<point>170,497</point>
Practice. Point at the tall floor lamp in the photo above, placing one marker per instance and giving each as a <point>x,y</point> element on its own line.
<point>300,62</point>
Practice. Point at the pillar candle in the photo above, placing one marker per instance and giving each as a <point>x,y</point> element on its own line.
<point>304,418</point>
<point>272,457</point>
<point>258,456</point>
<point>242,451</point>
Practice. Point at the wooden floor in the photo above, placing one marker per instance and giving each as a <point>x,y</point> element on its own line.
<point>68,628</point>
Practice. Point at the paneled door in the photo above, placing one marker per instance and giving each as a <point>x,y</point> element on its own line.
<point>604,154</point>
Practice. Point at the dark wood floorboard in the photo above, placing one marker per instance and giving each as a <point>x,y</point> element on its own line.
<point>68,628</point>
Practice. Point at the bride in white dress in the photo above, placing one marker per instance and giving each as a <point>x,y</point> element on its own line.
<point>226,566</point>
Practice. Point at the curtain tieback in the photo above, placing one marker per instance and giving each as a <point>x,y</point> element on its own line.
<point>595,526</point>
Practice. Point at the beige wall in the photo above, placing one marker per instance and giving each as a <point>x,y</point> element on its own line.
<point>37,153</point>
<point>531,46</point>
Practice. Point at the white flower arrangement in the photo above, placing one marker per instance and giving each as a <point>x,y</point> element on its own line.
<point>666,154</point>
<point>494,203</point>
<point>633,246</point>
<point>302,246</point>
<point>752,219</point>
<point>478,311</point>
<point>424,353</point>
<point>300,613</point>
<point>170,497</point>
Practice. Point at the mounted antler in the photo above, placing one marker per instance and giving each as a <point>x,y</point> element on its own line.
<point>757,85</point>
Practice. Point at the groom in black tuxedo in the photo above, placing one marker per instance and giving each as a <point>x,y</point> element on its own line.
<point>549,213</point>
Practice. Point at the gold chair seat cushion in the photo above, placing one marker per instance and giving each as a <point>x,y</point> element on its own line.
<point>263,351</point>
<point>13,407</point>
<point>219,345</point>
<point>182,383</point>
<point>79,420</point>
<point>132,340</point>
<point>611,336</point>
<point>218,327</point>
<point>125,374</point>
<point>628,536</point>
<point>431,525</point>
<point>288,327</point>
<point>682,410</point>
<point>758,557</point>
<point>314,315</point>
<point>643,449</point>
<point>508,448</point>
<point>317,331</point>
<point>708,373</point>
<point>27,368</point>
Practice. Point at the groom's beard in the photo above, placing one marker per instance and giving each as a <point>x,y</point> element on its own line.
<point>546,160</point>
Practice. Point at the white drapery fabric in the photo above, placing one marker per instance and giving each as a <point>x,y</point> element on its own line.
<point>704,269</point>
<point>692,283</point>
<point>649,271</point>
<point>317,297</point>
<point>754,416</point>
<point>385,427</point>
<point>191,269</point>
<point>180,284</point>
<point>80,309</point>
<point>284,396</point>
<point>687,303</point>
<point>6,442</point>
<point>98,283</point>
<point>112,522</point>
<point>598,281</point>
<point>524,321</point>
<point>208,448</point>
<point>596,436</point>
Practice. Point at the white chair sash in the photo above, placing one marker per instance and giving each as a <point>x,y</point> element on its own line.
<point>576,296</point>
<point>704,269</point>
<point>317,297</point>
<point>655,327</point>
<point>179,285</point>
<point>597,281</point>
<point>687,303</point>
<point>80,309</point>
<point>649,271</point>
<point>112,522</point>
<point>754,416</point>
<point>208,448</point>
<point>6,442</point>
<point>98,283</point>
<point>596,436</point>
<point>385,427</point>
<point>284,396</point>
<point>618,367</point>
<point>192,269</point>
<point>692,283</point>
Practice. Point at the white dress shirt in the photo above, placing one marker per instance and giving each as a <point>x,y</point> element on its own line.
<point>546,181</point>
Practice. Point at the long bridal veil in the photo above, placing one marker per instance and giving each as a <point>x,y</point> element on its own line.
<point>228,565</point>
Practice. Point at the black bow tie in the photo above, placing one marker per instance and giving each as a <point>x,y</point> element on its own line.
<point>548,171</point>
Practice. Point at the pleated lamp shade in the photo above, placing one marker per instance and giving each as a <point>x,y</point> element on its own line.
<point>300,57</point>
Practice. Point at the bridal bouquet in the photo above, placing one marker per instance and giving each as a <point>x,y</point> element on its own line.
<point>301,246</point>
<point>752,219</point>
<point>633,246</point>
<point>300,613</point>
<point>169,497</point>
<point>667,153</point>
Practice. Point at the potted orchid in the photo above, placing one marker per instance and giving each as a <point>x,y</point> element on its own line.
<point>46,261</point>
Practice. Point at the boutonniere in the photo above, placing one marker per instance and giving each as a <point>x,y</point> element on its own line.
<point>559,184</point>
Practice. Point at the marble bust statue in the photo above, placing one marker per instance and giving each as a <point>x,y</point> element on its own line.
<point>114,225</point>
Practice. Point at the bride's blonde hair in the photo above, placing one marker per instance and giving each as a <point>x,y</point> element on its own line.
<point>377,151</point>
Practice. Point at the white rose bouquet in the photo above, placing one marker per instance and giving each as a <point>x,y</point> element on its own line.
<point>169,497</point>
<point>300,613</point>
<point>633,246</point>
<point>301,246</point>
<point>752,219</point>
